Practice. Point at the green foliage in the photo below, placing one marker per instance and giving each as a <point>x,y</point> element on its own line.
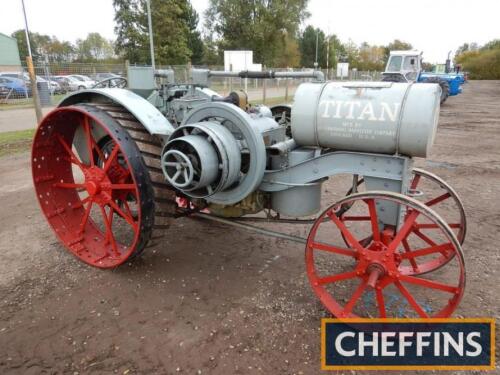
<point>307,43</point>
<point>176,39</point>
<point>481,63</point>
<point>94,47</point>
<point>370,58</point>
<point>262,26</point>
<point>396,45</point>
<point>290,55</point>
<point>20,36</point>
<point>15,141</point>
<point>195,43</point>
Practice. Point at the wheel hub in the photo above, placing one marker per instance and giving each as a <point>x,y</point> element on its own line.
<point>92,187</point>
<point>97,184</point>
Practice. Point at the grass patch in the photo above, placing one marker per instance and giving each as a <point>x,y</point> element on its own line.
<point>20,141</point>
<point>15,142</point>
<point>26,102</point>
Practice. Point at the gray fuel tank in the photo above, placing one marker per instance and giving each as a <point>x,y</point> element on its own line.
<point>379,117</point>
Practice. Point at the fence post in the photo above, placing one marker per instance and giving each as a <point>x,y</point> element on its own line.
<point>286,89</point>
<point>34,90</point>
<point>231,79</point>
<point>264,85</point>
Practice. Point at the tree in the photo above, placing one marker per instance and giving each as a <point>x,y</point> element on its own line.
<point>195,43</point>
<point>336,50</point>
<point>307,44</point>
<point>211,53</point>
<point>481,63</point>
<point>171,30</point>
<point>396,45</point>
<point>290,56</point>
<point>262,26</point>
<point>20,36</point>
<point>94,47</point>
<point>370,58</point>
<point>60,51</point>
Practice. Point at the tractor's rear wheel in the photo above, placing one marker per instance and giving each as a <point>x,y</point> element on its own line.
<point>445,87</point>
<point>97,178</point>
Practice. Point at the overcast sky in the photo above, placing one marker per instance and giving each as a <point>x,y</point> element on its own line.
<point>433,26</point>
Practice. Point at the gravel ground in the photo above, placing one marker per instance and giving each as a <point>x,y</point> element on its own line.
<point>212,299</point>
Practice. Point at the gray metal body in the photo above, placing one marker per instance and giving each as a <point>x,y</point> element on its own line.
<point>237,162</point>
<point>383,117</point>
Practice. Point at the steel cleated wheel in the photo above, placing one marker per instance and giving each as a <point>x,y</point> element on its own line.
<point>94,176</point>
<point>364,278</point>
<point>434,192</point>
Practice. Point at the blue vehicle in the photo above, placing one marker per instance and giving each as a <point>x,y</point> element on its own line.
<point>406,66</point>
<point>17,87</point>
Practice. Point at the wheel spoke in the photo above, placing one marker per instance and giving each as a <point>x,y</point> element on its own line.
<point>111,157</point>
<point>415,181</point>
<point>347,234</point>
<point>176,175</point>
<point>128,219</point>
<point>355,297</point>
<point>67,185</point>
<point>109,229</point>
<point>435,226</point>
<point>356,218</point>
<point>122,187</point>
<point>424,237</point>
<point>426,251</point>
<point>333,249</point>
<point>414,304</point>
<point>439,199</point>
<point>100,154</point>
<point>407,248</point>
<point>373,219</point>
<point>88,136</point>
<point>380,303</point>
<point>86,215</point>
<point>428,283</point>
<point>127,207</point>
<point>335,278</point>
<point>70,152</point>
<point>404,231</point>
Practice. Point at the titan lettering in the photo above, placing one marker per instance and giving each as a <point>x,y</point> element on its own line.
<point>357,110</point>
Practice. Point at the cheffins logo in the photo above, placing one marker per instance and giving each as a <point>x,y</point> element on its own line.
<point>408,344</point>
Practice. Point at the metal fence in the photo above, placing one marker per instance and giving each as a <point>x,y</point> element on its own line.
<point>55,80</point>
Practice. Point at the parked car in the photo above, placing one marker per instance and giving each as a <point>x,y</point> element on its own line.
<point>65,83</point>
<point>4,91</point>
<point>53,86</point>
<point>17,87</point>
<point>102,76</point>
<point>58,87</point>
<point>85,82</point>
<point>71,83</point>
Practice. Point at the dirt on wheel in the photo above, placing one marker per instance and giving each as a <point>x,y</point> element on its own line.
<point>212,299</point>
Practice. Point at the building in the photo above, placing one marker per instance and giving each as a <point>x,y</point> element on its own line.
<point>9,54</point>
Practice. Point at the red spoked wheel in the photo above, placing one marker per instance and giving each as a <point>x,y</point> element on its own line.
<point>434,192</point>
<point>365,277</point>
<point>96,196</point>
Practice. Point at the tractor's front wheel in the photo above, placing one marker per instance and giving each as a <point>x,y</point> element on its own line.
<point>94,175</point>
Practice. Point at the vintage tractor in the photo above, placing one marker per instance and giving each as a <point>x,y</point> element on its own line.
<point>406,66</point>
<point>113,167</point>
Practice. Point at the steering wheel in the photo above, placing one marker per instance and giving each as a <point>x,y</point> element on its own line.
<point>114,82</point>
